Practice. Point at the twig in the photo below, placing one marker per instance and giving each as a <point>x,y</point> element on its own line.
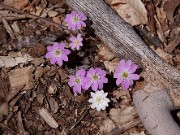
<point>28,15</point>
<point>8,128</point>
<point>8,28</point>
<point>80,119</point>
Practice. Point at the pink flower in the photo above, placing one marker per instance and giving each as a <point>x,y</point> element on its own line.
<point>76,42</point>
<point>125,74</point>
<point>97,78</point>
<point>78,81</point>
<point>57,53</point>
<point>75,20</point>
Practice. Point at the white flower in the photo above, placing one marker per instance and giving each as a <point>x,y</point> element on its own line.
<point>99,100</point>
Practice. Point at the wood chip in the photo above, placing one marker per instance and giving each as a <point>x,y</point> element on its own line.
<point>52,13</point>
<point>48,118</point>
<point>22,77</point>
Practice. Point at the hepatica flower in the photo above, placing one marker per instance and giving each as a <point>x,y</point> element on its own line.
<point>125,74</point>
<point>76,42</point>
<point>97,78</point>
<point>57,53</point>
<point>78,81</point>
<point>99,100</point>
<point>75,20</point>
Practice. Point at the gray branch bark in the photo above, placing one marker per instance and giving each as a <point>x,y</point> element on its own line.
<point>125,42</point>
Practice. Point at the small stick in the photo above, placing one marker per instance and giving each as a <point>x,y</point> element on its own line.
<point>8,28</point>
<point>80,119</point>
<point>8,128</point>
<point>28,15</point>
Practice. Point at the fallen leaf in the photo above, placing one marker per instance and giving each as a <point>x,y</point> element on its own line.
<point>111,65</point>
<point>135,131</point>
<point>165,56</point>
<point>22,77</point>
<point>57,19</point>
<point>160,31</point>
<point>161,15</point>
<point>14,60</point>
<point>133,12</point>
<point>105,53</point>
<point>173,43</point>
<point>107,126</point>
<point>52,13</point>
<point>18,4</point>
<point>169,8</point>
<point>53,104</point>
<point>122,116</point>
<point>4,109</point>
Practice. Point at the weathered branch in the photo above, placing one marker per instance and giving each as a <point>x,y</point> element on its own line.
<point>123,40</point>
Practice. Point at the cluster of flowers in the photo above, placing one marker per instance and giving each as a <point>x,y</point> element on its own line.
<point>94,78</point>
<point>57,52</point>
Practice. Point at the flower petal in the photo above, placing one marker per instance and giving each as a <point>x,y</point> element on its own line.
<point>81,72</point>
<point>128,64</point>
<point>125,84</point>
<point>118,81</point>
<point>133,68</point>
<point>134,76</point>
<point>94,86</point>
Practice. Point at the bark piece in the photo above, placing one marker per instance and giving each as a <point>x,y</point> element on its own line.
<point>48,118</point>
<point>22,77</point>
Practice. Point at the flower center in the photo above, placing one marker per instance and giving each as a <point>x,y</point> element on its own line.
<point>95,77</point>
<point>75,19</point>
<point>99,100</point>
<point>57,52</point>
<point>76,42</point>
<point>125,74</point>
<point>77,80</point>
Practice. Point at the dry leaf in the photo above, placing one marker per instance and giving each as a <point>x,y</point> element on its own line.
<point>57,19</point>
<point>21,77</point>
<point>48,118</point>
<point>169,8</point>
<point>165,56</point>
<point>133,12</point>
<point>52,13</point>
<point>135,131</point>
<point>173,43</point>
<point>53,104</point>
<point>161,15</point>
<point>38,11</point>
<point>122,116</point>
<point>105,54</point>
<point>4,109</point>
<point>111,65</point>
<point>159,31</point>
<point>18,4</point>
<point>107,126</point>
<point>14,59</point>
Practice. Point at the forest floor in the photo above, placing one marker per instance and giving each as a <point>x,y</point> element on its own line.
<point>30,84</point>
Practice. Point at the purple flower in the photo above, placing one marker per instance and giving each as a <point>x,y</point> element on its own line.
<point>57,53</point>
<point>76,42</point>
<point>75,20</point>
<point>78,81</point>
<point>97,78</point>
<point>125,74</point>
